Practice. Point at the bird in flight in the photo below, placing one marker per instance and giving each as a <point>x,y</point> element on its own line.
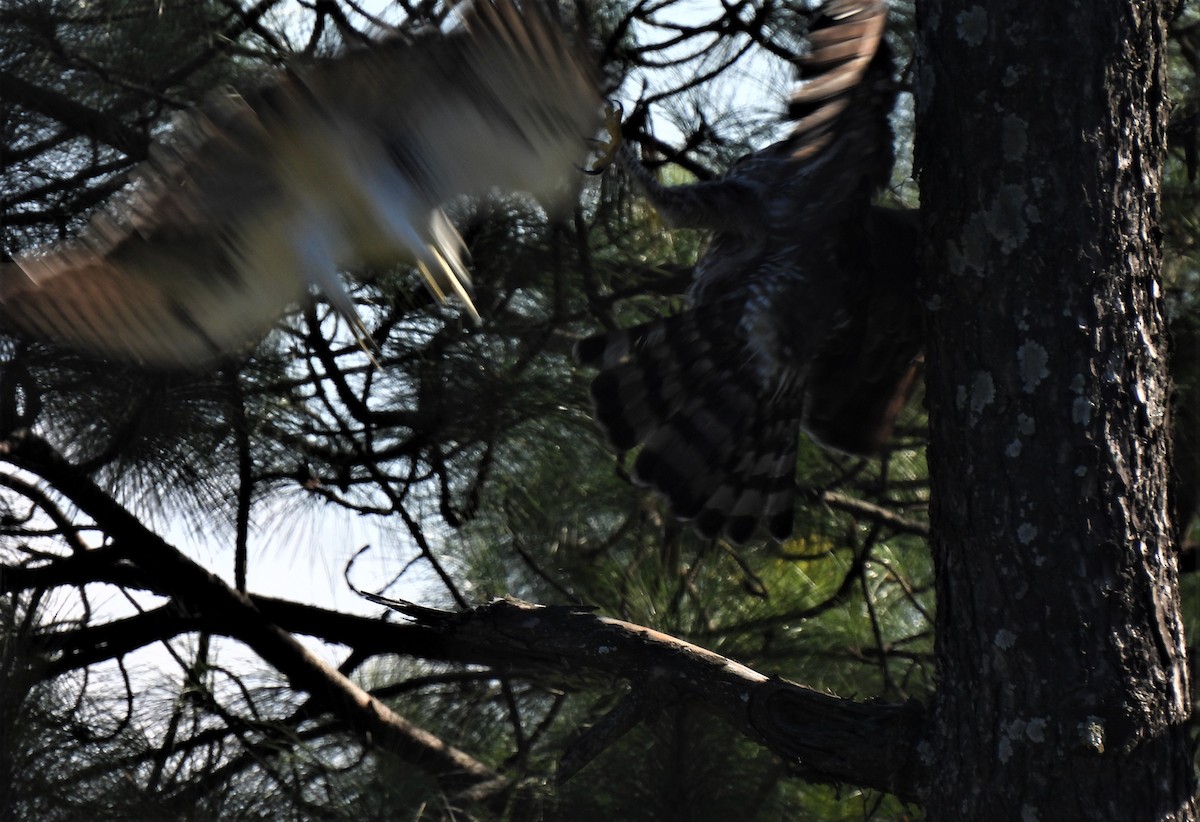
<point>801,313</point>
<point>253,199</point>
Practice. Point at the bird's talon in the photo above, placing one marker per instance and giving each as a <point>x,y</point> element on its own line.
<point>612,126</point>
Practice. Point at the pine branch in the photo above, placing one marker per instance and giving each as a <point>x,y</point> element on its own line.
<point>826,738</point>
<point>79,118</point>
<point>197,590</point>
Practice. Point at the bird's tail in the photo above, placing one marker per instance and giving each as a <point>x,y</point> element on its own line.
<point>713,441</point>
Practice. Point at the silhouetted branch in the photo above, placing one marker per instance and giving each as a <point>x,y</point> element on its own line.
<point>198,590</point>
<point>827,738</point>
<point>79,118</point>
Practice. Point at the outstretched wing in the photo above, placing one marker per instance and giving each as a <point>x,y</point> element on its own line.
<point>253,199</point>
<point>715,396</point>
<point>843,44</point>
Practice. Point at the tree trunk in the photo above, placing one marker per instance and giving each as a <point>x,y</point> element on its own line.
<point>1063,689</point>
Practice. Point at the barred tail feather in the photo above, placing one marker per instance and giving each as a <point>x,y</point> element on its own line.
<point>721,452</point>
<point>761,487</point>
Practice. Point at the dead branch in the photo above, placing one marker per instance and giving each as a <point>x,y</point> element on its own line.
<point>824,737</point>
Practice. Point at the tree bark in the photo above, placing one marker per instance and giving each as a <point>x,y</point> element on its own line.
<point>1063,689</point>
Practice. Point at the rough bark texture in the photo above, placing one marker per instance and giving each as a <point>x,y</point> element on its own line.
<point>1063,691</point>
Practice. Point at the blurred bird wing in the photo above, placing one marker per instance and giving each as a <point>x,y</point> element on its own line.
<point>108,305</point>
<point>253,199</point>
<point>842,45</point>
<point>503,103</point>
